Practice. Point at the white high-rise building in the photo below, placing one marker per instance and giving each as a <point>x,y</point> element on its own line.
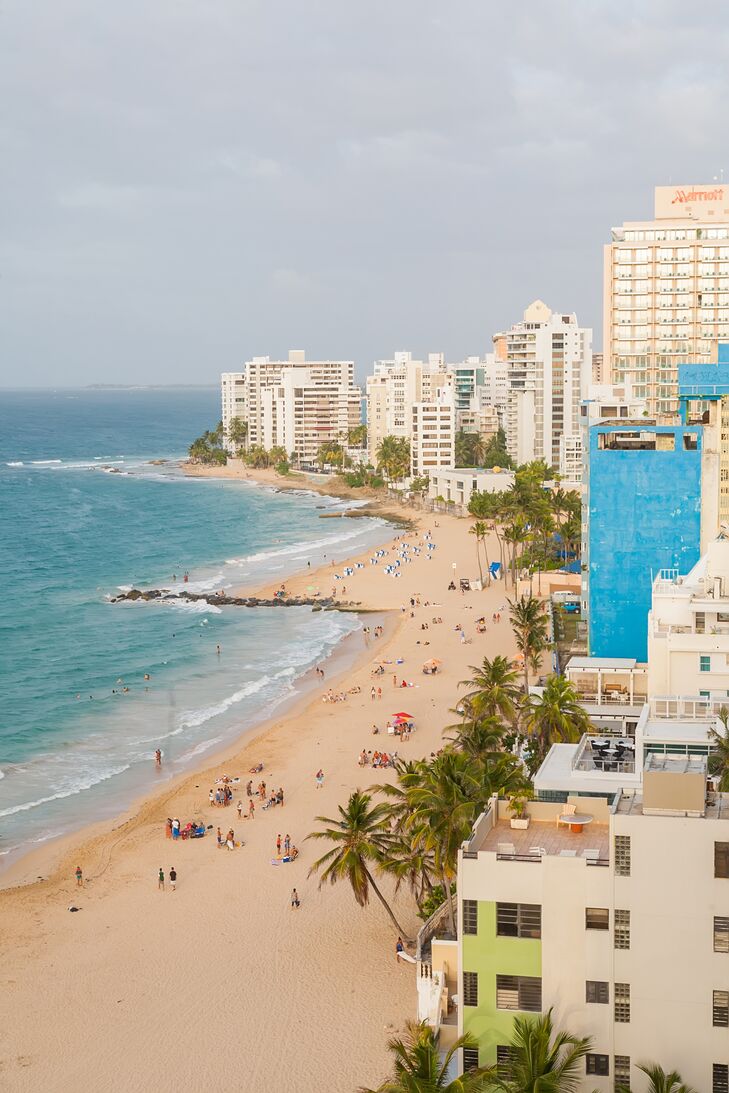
<point>232,390</point>
<point>494,387</point>
<point>666,291</point>
<point>295,404</point>
<point>394,388</point>
<point>549,366</point>
<point>433,433</point>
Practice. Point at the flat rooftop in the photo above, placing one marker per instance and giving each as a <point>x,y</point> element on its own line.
<point>716,809</point>
<point>552,840</point>
<point>602,664</point>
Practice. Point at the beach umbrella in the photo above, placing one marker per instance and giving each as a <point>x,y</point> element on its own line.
<point>433,663</point>
<point>403,716</point>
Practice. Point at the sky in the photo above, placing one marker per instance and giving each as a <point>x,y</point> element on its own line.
<point>185,184</point>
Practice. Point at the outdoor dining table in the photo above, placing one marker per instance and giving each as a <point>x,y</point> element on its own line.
<point>577,821</point>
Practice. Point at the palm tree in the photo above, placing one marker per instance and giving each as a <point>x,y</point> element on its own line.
<point>479,737</point>
<point>409,862</point>
<point>541,1059</point>
<point>555,716</point>
<point>361,837</point>
<point>529,623</point>
<point>660,1082</point>
<point>480,530</point>
<point>495,692</point>
<point>237,433</point>
<point>419,1068</point>
<point>393,457</point>
<point>445,799</point>
<point>719,758</point>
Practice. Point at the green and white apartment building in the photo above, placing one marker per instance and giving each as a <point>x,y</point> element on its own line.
<point>618,920</point>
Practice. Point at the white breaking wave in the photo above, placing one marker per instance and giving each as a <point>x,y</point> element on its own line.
<point>78,788</point>
<point>297,548</point>
<point>16,463</point>
<point>196,607</point>
<point>44,462</point>
<point>192,719</point>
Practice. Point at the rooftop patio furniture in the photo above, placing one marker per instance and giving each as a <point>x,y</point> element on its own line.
<point>569,810</point>
<point>568,853</point>
<point>507,849</point>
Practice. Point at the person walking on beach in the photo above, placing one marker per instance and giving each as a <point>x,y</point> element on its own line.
<point>249,788</point>
<point>278,846</point>
<point>161,879</point>
<point>251,809</point>
<point>173,878</point>
<point>168,828</point>
<point>79,877</point>
<point>239,806</point>
<point>319,778</point>
<point>295,901</point>
<point>287,845</point>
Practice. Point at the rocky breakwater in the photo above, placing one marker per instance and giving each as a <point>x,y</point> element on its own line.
<point>221,599</point>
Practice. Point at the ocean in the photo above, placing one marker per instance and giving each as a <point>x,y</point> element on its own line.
<point>83,514</point>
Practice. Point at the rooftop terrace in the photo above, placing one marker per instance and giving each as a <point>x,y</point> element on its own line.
<point>545,838</point>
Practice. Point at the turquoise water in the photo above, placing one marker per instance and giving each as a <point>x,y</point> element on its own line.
<point>73,745</point>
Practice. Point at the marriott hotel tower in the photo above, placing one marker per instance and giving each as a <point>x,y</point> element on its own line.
<point>666,291</point>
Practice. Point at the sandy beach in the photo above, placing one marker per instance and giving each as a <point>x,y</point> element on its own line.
<point>220,980</point>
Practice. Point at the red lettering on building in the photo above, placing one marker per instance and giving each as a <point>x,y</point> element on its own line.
<point>683,197</point>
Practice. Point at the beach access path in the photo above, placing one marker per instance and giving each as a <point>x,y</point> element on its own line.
<point>220,982</point>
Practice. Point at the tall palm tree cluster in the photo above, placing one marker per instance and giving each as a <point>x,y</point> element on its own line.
<point>411,829</point>
<point>536,528</point>
<point>393,457</point>
<point>208,448</point>
<point>473,450</point>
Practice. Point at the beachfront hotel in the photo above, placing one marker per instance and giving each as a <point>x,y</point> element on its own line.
<point>666,291</point>
<point>549,369</point>
<point>296,404</point>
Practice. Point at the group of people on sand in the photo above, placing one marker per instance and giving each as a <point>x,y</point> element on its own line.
<point>376,758</point>
<point>228,841</point>
<point>340,696</point>
<point>194,829</point>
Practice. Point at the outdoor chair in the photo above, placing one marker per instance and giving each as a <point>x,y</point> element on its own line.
<point>506,848</point>
<point>593,855</point>
<point>568,810</point>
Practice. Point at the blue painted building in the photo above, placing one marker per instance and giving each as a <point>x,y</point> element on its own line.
<point>643,504</point>
<point>652,494</point>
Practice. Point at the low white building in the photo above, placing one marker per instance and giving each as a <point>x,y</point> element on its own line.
<point>459,484</point>
<point>611,909</point>
<point>688,628</point>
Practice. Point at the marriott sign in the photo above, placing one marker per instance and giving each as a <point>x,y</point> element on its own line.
<point>692,202</point>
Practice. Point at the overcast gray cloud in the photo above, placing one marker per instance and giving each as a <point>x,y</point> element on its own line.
<point>186,183</point>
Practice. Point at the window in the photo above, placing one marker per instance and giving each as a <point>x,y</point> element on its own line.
<point>518,920</point>
<point>705,663</point>
<point>721,935</point>
<point>470,988</point>
<point>720,1078</point>
<point>621,934</point>
<point>504,1060</point>
<point>721,860</point>
<point>622,1003</point>
<point>622,1072</point>
<point>597,991</point>
<point>470,1058</point>
<point>597,1064</point>
<point>519,992</point>
<point>622,855</point>
<point>470,916</point>
<point>721,1009</point>
<point>597,918</point>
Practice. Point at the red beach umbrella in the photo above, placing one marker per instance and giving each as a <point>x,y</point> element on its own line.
<point>403,716</point>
